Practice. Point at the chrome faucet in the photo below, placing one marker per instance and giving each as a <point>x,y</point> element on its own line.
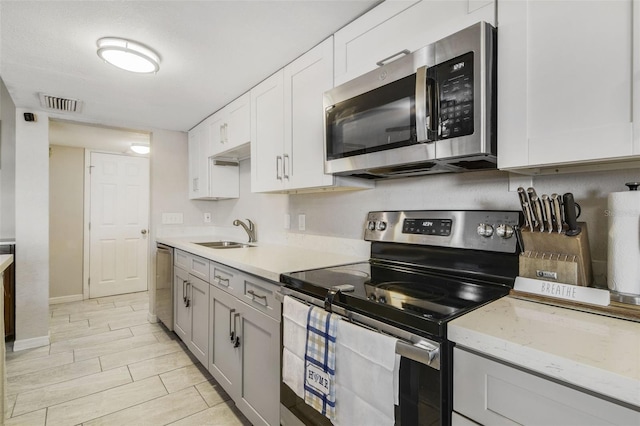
<point>251,229</point>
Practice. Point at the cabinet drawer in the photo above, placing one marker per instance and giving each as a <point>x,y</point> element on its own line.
<point>199,267</point>
<point>224,278</point>
<point>195,265</point>
<point>181,259</point>
<point>260,294</point>
<point>489,392</point>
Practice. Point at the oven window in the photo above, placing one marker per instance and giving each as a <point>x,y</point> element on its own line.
<point>419,396</point>
<point>374,121</point>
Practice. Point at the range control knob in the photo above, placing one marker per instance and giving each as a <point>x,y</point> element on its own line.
<point>504,231</point>
<point>485,230</point>
<point>382,299</point>
<point>382,226</point>
<point>371,226</point>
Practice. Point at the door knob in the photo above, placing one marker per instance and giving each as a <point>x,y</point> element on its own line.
<point>143,232</point>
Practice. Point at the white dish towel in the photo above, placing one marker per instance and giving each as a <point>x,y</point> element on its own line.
<point>367,370</point>
<point>294,340</point>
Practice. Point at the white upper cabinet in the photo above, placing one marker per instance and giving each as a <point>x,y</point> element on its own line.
<point>267,134</point>
<point>198,162</point>
<point>287,133</point>
<point>565,74</point>
<point>230,128</point>
<point>393,27</point>
<point>208,181</point>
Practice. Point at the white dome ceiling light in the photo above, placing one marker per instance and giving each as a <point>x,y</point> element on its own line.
<point>128,55</point>
<point>139,148</point>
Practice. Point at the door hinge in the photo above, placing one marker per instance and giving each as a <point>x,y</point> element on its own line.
<point>88,281</point>
<point>89,226</point>
<point>91,168</point>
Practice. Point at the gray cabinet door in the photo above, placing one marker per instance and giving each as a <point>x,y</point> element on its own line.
<point>224,360</point>
<point>260,344</point>
<point>199,297</point>
<point>182,317</point>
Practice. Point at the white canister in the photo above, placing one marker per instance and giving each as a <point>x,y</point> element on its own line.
<point>623,270</point>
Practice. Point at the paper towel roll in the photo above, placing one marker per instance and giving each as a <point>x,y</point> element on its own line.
<point>624,242</point>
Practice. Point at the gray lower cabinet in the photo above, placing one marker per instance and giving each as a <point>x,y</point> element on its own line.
<point>244,342</point>
<point>488,392</point>
<point>191,312</point>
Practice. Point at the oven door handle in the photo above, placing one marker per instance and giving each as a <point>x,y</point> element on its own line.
<point>408,345</point>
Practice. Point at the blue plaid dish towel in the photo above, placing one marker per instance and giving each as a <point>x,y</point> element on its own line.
<point>320,361</point>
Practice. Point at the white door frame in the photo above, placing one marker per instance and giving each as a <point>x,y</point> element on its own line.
<point>87,218</point>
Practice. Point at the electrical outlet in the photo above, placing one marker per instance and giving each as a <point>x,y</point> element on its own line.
<point>207,218</point>
<point>287,221</point>
<point>302,219</point>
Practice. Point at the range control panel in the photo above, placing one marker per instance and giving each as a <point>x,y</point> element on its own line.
<point>489,230</point>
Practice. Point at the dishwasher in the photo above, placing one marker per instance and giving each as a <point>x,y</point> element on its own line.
<point>164,284</point>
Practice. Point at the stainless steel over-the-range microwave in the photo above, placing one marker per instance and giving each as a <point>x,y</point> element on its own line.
<point>431,111</point>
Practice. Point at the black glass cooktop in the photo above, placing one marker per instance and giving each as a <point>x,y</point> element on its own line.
<point>416,299</point>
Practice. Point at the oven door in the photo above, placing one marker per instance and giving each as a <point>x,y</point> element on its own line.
<point>424,386</point>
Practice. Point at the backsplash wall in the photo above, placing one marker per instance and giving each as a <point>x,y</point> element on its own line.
<point>342,214</point>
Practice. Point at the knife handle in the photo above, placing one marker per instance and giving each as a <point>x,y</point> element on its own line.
<point>547,212</point>
<point>537,210</point>
<point>524,203</point>
<point>528,215</point>
<point>556,200</point>
<point>570,214</point>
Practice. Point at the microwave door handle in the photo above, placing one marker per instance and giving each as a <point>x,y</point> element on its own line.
<point>433,101</point>
<point>422,104</point>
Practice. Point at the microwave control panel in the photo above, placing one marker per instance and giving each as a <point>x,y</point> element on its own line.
<point>455,82</point>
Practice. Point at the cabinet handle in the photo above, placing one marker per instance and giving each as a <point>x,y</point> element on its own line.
<point>278,166</point>
<point>255,295</point>
<point>236,343</point>
<point>195,184</point>
<point>226,133</point>
<point>188,299</point>
<point>232,333</point>
<point>220,279</point>
<point>184,292</point>
<point>402,52</point>
<point>285,162</point>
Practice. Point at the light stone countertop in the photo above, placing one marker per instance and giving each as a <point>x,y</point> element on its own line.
<point>591,351</point>
<point>264,260</point>
<point>5,261</point>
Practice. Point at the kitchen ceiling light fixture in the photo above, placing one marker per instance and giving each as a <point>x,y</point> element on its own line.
<point>139,148</point>
<point>128,55</point>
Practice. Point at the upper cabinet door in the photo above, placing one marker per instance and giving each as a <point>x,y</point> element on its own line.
<point>565,71</point>
<point>238,130</point>
<point>267,134</point>
<point>385,32</point>
<point>198,161</point>
<point>305,80</point>
<point>216,125</point>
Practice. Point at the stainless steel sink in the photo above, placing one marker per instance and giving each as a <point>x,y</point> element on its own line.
<point>224,244</point>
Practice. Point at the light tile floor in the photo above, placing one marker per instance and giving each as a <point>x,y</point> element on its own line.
<point>107,365</point>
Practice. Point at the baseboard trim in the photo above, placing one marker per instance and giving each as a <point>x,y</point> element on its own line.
<point>65,299</point>
<point>152,318</point>
<point>35,342</point>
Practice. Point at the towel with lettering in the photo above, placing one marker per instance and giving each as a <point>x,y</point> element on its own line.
<point>320,361</point>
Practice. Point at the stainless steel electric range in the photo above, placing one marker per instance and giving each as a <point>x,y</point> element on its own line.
<point>426,268</point>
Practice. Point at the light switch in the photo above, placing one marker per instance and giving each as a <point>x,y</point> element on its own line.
<point>302,225</point>
<point>287,221</point>
<point>171,218</point>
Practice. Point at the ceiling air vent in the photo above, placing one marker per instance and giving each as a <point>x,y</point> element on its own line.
<point>60,104</point>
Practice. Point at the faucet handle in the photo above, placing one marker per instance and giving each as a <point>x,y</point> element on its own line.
<point>251,224</point>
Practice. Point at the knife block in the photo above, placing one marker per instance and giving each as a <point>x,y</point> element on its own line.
<point>557,257</point>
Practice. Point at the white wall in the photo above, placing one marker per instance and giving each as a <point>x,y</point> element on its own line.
<point>32,230</point>
<point>66,222</point>
<point>7,163</point>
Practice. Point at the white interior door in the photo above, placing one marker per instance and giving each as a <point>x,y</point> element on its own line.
<point>119,220</point>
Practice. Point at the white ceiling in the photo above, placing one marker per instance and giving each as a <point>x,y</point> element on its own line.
<point>211,52</point>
